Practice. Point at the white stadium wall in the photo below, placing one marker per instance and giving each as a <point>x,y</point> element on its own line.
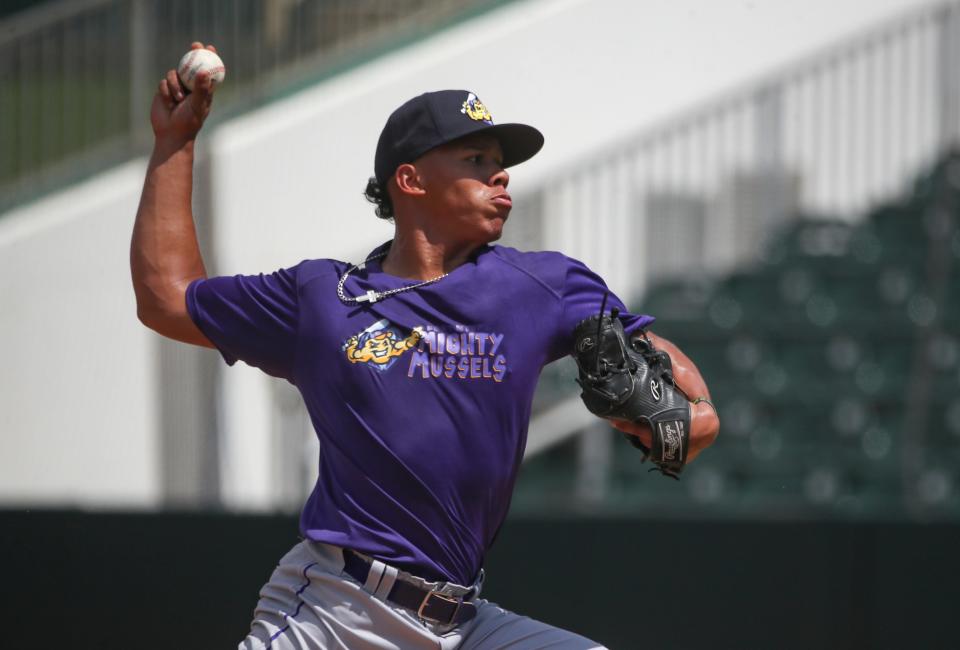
<point>78,384</point>
<point>78,407</point>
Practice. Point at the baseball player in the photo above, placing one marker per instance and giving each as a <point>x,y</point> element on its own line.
<point>417,367</point>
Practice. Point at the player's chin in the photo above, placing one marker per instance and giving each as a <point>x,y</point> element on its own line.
<point>501,213</point>
<point>494,227</point>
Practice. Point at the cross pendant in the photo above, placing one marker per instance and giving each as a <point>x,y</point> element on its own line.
<point>370,297</point>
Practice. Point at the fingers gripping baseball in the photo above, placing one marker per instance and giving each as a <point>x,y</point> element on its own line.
<point>178,113</point>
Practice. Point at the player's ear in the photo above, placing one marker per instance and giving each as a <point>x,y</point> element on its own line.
<point>408,180</point>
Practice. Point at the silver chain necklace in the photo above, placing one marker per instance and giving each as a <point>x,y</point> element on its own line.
<point>372,296</point>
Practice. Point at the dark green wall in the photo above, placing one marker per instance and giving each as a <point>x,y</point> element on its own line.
<point>191,580</point>
<point>9,7</point>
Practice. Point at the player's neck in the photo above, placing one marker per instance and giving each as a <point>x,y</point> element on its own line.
<point>414,256</point>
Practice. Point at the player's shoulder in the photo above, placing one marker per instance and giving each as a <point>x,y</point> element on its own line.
<point>308,270</point>
<point>548,268</point>
<point>543,262</point>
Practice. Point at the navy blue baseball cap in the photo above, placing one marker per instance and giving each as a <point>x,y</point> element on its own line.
<point>432,119</point>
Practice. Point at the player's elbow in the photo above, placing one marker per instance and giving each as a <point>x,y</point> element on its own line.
<point>169,317</point>
<point>151,317</point>
<point>160,315</point>
<point>160,301</point>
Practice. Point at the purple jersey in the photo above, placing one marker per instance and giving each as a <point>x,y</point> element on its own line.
<point>421,401</point>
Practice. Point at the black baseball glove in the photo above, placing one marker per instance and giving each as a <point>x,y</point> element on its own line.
<point>629,379</point>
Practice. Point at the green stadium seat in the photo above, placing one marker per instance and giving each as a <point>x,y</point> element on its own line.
<point>810,356</point>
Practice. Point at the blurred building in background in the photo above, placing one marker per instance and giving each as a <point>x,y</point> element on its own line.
<point>790,215</point>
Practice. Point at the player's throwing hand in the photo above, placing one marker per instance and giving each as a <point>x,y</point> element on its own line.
<point>177,113</point>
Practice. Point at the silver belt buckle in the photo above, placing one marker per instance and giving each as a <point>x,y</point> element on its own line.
<point>457,601</point>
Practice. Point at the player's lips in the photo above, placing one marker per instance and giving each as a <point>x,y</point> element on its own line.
<point>503,199</point>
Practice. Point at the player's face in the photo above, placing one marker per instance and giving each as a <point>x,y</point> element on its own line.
<point>466,188</point>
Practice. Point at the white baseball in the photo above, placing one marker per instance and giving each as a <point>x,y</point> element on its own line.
<point>200,60</point>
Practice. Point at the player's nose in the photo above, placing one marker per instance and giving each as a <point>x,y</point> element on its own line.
<point>501,178</point>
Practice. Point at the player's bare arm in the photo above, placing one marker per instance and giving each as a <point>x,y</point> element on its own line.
<point>164,253</point>
<point>704,422</point>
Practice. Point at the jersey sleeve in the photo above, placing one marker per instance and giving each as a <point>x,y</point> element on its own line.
<point>251,318</point>
<point>581,297</point>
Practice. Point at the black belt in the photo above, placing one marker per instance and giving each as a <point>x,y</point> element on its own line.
<point>429,605</point>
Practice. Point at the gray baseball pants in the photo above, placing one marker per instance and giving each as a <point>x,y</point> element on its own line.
<point>310,603</point>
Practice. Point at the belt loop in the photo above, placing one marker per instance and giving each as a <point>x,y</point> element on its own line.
<point>386,582</point>
<point>373,578</point>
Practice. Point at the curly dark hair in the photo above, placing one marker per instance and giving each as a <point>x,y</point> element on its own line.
<point>378,195</point>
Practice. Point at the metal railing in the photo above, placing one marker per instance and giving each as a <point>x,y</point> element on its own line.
<point>832,135</point>
<point>77,76</point>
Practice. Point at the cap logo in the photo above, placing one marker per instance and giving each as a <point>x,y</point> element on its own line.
<point>475,110</point>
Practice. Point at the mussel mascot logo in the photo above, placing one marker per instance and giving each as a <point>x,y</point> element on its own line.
<point>380,345</point>
<point>475,109</point>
